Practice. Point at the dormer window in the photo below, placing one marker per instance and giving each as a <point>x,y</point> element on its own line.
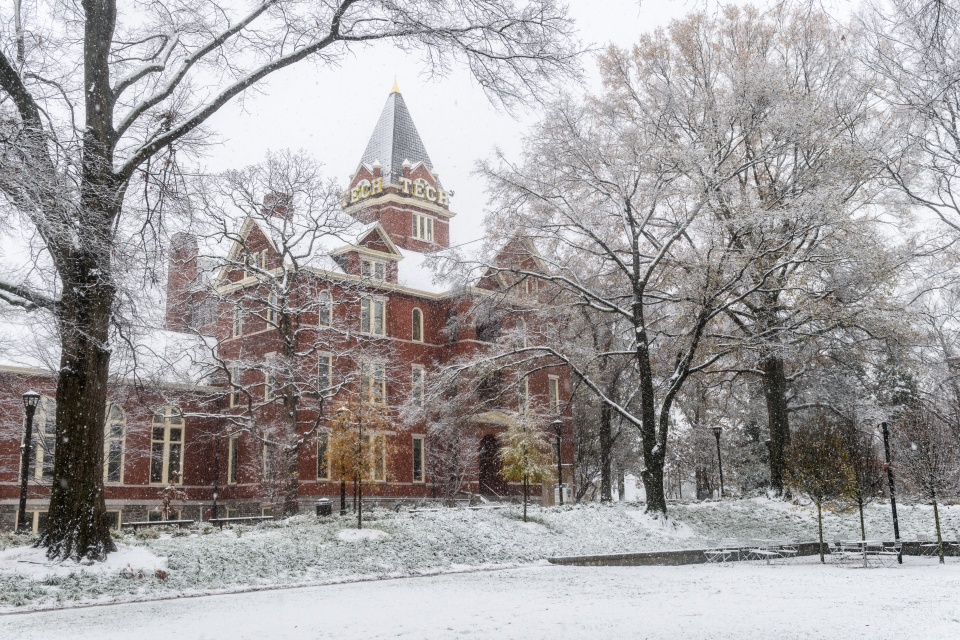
<point>373,269</point>
<point>423,227</point>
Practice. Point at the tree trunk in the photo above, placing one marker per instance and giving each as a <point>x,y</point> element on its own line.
<point>77,526</point>
<point>359,502</point>
<point>654,453</point>
<point>936,520</point>
<point>863,529</point>
<point>606,452</point>
<point>820,529</point>
<point>778,420</point>
<point>524,498</point>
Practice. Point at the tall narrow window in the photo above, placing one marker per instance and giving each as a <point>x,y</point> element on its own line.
<point>237,320</point>
<point>233,460</point>
<point>166,447</point>
<point>44,439</point>
<point>373,269</point>
<point>531,286</point>
<point>373,382</point>
<point>553,384</point>
<point>323,457</point>
<point>273,304</point>
<point>113,439</point>
<point>263,259</point>
<point>418,458</point>
<point>372,316</point>
<point>324,373</point>
<point>269,386</point>
<point>418,382</point>
<point>524,393</point>
<point>378,455</point>
<point>234,386</point>
<point>324,309</point>
<point>416,318</point>
<point>423,228</point>
<point>523,332</point>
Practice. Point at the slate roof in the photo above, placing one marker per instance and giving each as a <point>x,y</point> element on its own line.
<point>394,140</point>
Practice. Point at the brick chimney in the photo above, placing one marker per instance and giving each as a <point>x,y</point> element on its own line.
<point>278,204</point>
<point>182,273</point>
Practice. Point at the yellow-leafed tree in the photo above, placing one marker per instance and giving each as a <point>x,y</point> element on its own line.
<point>525,454</point>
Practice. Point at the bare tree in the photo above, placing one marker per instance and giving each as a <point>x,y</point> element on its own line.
<point>118,105</point>
<point>928,456</point>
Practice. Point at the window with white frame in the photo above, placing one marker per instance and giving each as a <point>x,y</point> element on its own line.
<point>531,286</point>
<point>114,435</point>
<point>323,457</point>
<point>273,304</point>
<point>524,393</point>
<point>376,445</point>
<point>265,454</point>
<point>269,386</point>
<point>166,447</point>
<point>523,332</point>
<point>418,383</point>
<point>553,388</point>
<point>418,459</point>
<point>374,269</point>
<point>373,382</point>
<point>237,328</point>
<point>44,439</point>
<point>233,460</point>
<point>234,386</point>
<point>423,227</point>
<point>416,320</point>
<point>372,316</point>
<point>324,309</point>
<point>36,521</point>
<point>324,372</point>
<point>262,261</point>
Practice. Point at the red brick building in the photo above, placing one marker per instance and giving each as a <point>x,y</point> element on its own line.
<point>261,351</point>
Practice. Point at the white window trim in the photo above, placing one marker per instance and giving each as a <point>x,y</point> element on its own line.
<point>369,396</point>
<point>329,308</point>
<point>373,263</point>
<point>553,393</point>
<point>123,446</point>
<point>236,328</point>
<point>234,382</point>
<point>233,449</point>
<point>269,386</point>
<point>329,357</point>
<point>423,460</point>
<point>428,227</point>
<point>167,412</point>
<point>273,301</point>
<point>421,393</point>
<point>372,300</point>
<point>34,516</point>
<point>414,324</point>
<point>323,439</point>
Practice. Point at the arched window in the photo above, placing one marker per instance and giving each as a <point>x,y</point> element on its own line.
<point>417,317</point>
<point>166,447</point>
<point>114,434</point>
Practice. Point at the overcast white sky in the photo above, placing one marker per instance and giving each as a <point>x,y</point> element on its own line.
<point>331,112</point>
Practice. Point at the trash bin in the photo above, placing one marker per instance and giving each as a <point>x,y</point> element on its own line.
<point>323,507</point>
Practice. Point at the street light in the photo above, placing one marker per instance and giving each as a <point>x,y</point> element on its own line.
<point>558,426</point>
<point>30,401</point>
<point>716,434</point>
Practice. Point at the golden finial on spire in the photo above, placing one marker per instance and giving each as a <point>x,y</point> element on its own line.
<point>396,87</point>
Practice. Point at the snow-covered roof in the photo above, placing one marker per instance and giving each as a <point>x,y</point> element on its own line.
<point>29,343</point>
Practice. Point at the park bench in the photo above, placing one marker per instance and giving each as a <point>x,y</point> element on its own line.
<point>238,520</point>
<point>159,523</point>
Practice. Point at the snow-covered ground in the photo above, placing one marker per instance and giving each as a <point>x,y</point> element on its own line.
<point>305,551</point>
<point>740,601</point>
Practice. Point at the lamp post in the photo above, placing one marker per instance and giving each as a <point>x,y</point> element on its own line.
<point>716,434</point>
<point>30,401</point>
<point>558,426</point>
<point>342,412</point>
<point>893,498</point>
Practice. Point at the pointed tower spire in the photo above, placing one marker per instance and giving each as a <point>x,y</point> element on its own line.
<point>395,139</point>
<point>396,87</point>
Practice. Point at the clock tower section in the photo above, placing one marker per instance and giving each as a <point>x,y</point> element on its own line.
<point>396,185</point>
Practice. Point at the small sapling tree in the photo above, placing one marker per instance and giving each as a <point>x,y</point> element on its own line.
<point>526,455</point>
<point>818,466</point>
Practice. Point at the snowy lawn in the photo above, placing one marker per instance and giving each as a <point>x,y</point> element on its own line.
<point>305,550</point>
<point>739,601</point>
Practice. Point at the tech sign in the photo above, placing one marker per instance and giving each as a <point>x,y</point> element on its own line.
<point>416,188</point>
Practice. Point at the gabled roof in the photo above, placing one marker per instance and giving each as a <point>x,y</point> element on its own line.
<point>394,140</point>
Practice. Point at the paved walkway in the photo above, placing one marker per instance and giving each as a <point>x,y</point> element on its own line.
<point>741,601</point>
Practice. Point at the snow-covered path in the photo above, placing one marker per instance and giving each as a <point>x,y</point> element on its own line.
<point>742,601</point>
